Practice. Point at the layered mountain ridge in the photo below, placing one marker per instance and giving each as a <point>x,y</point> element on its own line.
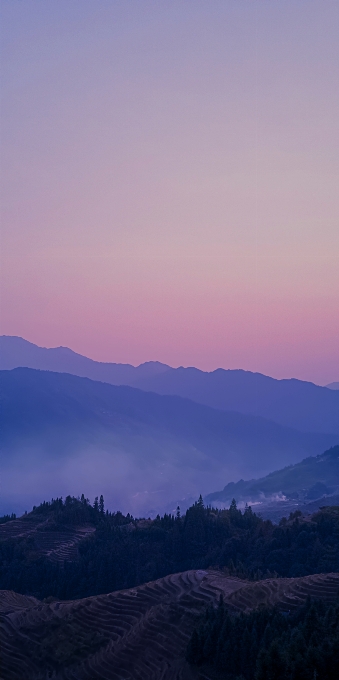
<point>146,452</point>
<point>292,403</point>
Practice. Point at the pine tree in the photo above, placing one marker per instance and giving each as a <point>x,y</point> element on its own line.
<point>267,637</point>
<point>101,505</point>
<point>209,647</point>
<point>277,665</point>
<point>194,652</point>
<point>311,622</point>
<point>262,670</point>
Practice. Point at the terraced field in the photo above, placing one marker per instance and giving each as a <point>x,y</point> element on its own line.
<point>58,545</point>
<point>136,634</point>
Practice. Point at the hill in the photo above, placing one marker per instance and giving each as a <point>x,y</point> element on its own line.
<point>311,479</point>
<point>123,596</point>
<point>292,403</point>
<point>61,433</point>
<point>70,549</point>
<point>333,386</point>
<point>135,634</point>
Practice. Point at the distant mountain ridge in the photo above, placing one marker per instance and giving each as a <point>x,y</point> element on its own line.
<point>60,433</point>
<point>15,352</point>
<point>292,403</point>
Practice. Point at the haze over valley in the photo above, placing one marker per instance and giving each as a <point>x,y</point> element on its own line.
<point>147,452</point>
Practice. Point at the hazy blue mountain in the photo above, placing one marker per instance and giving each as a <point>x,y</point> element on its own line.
<point>63,434</point>
<point>333,386</point>
<point>308,480</point>
<point>294,403</point>
<point>16,352</point>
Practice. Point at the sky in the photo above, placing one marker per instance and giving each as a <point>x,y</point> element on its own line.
<point>169,184</point>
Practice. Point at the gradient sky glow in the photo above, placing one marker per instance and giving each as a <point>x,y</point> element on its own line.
<point>170,181</point>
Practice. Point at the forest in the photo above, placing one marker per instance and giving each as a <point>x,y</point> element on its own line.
<point>123,552</point>
<point>268,644</point>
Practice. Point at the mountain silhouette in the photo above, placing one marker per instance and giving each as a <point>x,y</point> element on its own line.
<point>292,403</point>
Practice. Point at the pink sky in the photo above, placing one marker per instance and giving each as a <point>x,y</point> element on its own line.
<point>170,181</point>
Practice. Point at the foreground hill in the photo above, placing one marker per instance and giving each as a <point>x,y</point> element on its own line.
<point>308,480</point>
<point>133,634</point>
<point>292,403</point>
<point>134,598</point>
<point>60,434</point>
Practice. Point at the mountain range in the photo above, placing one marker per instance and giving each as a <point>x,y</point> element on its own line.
<point>62,434</point>
<point>292,403</point>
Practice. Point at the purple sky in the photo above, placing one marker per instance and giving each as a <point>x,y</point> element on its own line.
<point>170,181</point>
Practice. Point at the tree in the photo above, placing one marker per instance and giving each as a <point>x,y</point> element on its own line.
<point>233,505</point>
<point>276,662</point>
<point>194,651</point>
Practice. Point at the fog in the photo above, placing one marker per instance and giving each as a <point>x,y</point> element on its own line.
<point>61,434</point>
<point>141,487</point>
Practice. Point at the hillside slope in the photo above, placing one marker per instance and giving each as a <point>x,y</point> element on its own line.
<point>62,434</point>
<point>133,634</point>
<point>293,403</point>
<point>308,480</point>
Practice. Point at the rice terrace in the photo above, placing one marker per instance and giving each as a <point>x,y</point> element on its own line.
<point>145,631</point>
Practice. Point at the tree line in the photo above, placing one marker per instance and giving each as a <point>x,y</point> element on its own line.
<point>267,644</point>
<point>124,552</point>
